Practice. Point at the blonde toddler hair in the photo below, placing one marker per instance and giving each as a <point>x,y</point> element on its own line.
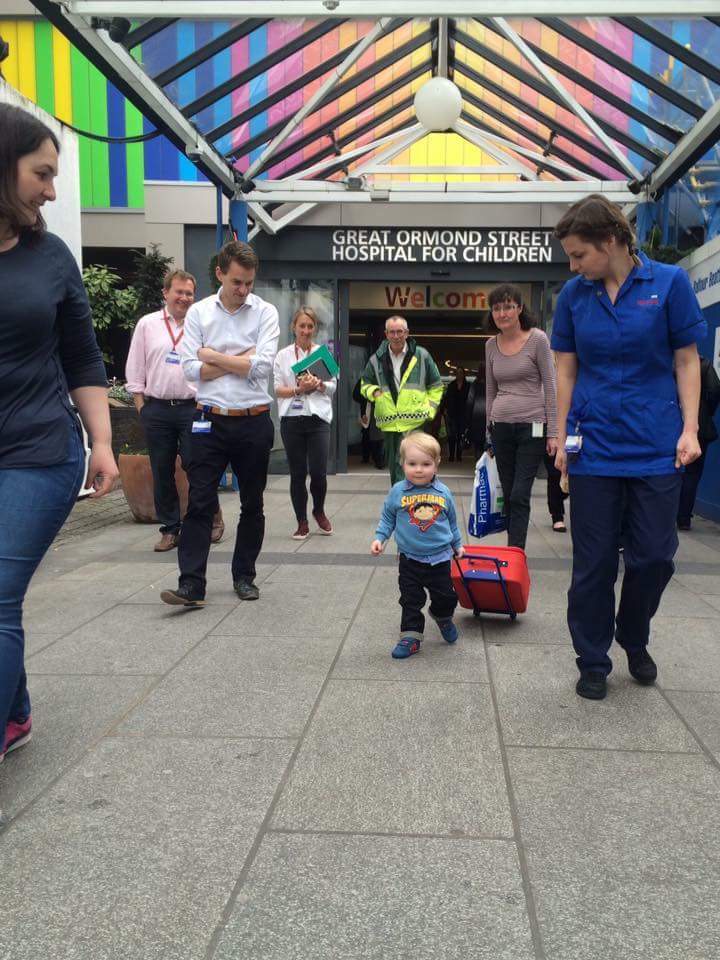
<point>424,442</point>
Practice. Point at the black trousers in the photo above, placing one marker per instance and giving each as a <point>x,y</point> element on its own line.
<point>646,507</point>
<point>414,578</point>
<point>307,445</point>
<point>555,496</point>
<point>246,443</point>
<point>518,455</point>
<point>456,432</point>
<point>690,480</point>
<point>167,429</point>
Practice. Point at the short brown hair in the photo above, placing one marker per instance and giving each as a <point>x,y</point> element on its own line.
<point>235,250</point>
<point>595,220</point>
<point>304,312</point>
<point>22,133</point>
<point>508,292</point>
<point>177,275</point>
<point>423,441</point>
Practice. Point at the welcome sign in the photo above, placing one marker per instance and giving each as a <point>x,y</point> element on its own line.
<point>404,297</point>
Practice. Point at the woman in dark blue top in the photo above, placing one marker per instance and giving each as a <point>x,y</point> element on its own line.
<point>619,329</point>
<point>47,351</point>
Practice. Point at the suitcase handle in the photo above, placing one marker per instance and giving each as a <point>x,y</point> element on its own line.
<point>499,564</point>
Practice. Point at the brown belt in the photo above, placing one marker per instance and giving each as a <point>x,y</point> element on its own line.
<point>228,412</point>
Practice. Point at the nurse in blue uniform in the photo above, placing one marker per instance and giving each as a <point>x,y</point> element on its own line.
<point>620,328</point>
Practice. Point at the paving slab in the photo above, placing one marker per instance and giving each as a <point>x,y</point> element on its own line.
<point>538,706</point>
<point>701,711</point>
<point>219,584</point>
<point>622,852</point>
<point>55,610</point>
<point>399,757</point>
<point>544,627</point>
<point>136,850</point>
<point>687,652</point>
<point>300,608</point>
<point>132,639</point>
<point>375,898</point>
<point>705,586</point>
<point>69,715</point>
<point>231,686</point>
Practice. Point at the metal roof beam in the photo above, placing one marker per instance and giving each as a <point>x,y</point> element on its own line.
<point>688,151</point>
<point>489,141</point>
<point>325,129</point>
<point>443,47</point>
<point>358,78</point>
<point>119,67</point>
<point>569,102</point>
<point>547,90</point>
<point>349,155</point>
<point>262,66</point>
<point>540,191</point>
<point>523,131</point>
<point>553,125</point>
<point>671,47</point>
<point>147,30</point>
<point>370,9</point>
<point>209,50</point>
<point>646,80</point>
<point>671,134</point>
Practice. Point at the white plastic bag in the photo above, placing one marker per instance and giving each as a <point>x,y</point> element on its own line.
<point>486,507</point>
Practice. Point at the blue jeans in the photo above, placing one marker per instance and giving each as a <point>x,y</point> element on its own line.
<point>34,504</point>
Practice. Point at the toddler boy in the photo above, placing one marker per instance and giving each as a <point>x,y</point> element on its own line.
<point>421,511</point>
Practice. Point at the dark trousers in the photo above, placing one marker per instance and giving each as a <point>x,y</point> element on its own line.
<point>414,578</point>
<point>688,491</point>
<point>167,429</point>
<point>518,455</point>
<point>456,431</point>
<point>246,443</point>
<point>646,507</point>
<point>372,448</point>
<point>392,454</point>
<point>555,496</point>
<point>307,444</point>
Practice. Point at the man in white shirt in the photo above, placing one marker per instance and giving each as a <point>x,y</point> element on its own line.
<point>165,400</point>
<point>228,349</point>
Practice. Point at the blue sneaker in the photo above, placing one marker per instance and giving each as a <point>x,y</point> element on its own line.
<point>405,648</point>
<point>448,630</point>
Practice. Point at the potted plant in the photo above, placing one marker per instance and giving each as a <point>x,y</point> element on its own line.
<point>137,482</point>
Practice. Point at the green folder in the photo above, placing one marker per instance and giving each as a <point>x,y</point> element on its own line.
<point>320,363</point>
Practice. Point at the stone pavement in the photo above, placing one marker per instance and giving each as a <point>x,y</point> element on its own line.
<point>263,781</point>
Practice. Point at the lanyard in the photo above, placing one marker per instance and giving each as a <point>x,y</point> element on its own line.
<point>174,340</point>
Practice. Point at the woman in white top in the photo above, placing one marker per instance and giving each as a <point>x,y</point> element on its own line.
<point>305,405</point>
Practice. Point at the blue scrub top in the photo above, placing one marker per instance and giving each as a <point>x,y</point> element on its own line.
<point>625,402</point>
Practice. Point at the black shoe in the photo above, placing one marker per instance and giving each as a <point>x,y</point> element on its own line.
<point>246,589</point>
<point>684,525</point>
<point>184,596</point>
<point>592,685</point>
<point>642,667</point>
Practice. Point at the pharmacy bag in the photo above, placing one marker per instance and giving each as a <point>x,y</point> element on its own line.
<point>486,507</point>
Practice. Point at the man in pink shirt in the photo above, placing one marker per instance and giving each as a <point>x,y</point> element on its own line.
<point>165,400</point>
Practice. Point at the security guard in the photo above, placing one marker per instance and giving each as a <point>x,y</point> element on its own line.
<point>626,429</point>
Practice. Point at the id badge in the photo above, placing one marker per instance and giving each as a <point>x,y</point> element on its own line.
<point>573,444</point>
<point>538,431</point>
<point>172,357</point>
<point>297,404</point>
<point>201,426</point>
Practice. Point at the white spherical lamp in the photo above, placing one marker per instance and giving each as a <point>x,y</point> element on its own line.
<point>438,104</point>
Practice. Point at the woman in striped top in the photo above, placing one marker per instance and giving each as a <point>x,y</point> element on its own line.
<point>521,407</point>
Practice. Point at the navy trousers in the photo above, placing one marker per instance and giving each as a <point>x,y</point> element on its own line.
<point>647,508</point>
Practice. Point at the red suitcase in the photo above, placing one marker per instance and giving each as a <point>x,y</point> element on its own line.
<point>492,580</point>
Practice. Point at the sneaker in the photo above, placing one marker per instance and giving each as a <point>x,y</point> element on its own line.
<point>405,648</point>
<point>302,532</point>
<point>322,521</point>
<point>448,630</point>
<point>246,589</point>
<point>592,685</point>
<point>184,596</point>
<point>167,541</point>
<point>16,735</point>
<point>642,667</point>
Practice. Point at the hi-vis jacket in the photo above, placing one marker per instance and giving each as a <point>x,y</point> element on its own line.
<point>421,389</point>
